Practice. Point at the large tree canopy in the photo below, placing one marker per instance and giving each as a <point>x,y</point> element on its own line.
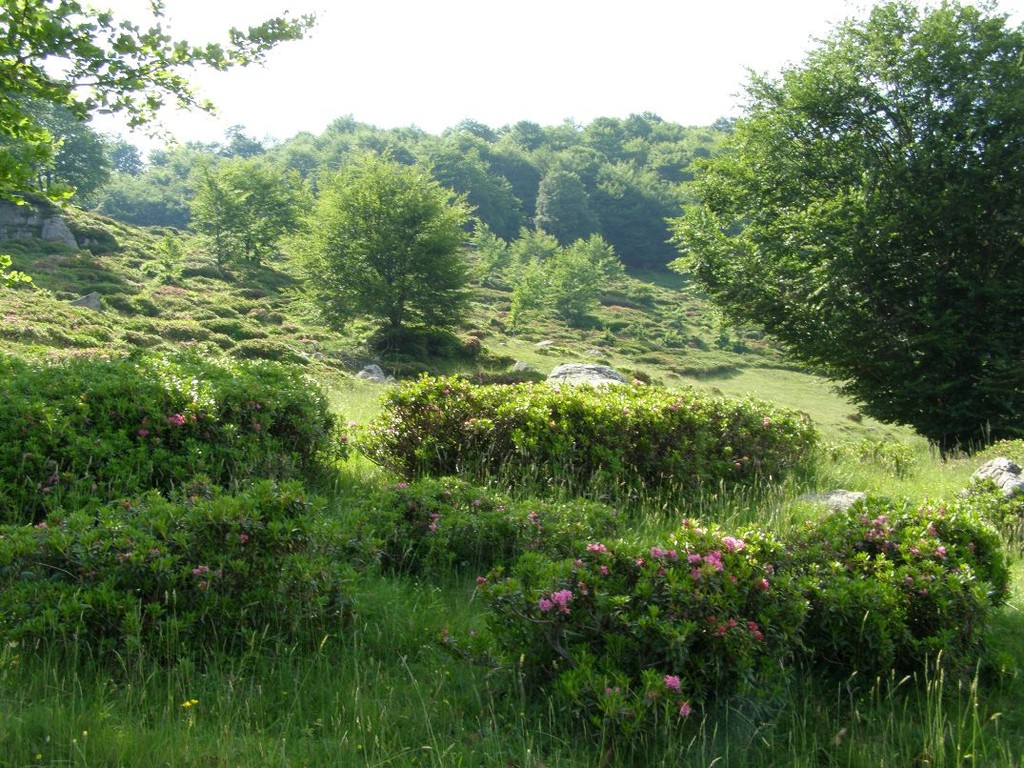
<point>870,215</point>
<point>86,61</point>
<point>385,241</point>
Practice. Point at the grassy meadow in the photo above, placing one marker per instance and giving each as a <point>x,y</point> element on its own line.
<point>398,680</point>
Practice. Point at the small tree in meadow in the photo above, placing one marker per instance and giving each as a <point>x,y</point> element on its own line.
<point>385,241</point>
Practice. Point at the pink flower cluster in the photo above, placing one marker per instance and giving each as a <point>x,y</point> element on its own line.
<point>596,547</point>
<point>713,559</point>
<point>673,683</point>
<point>720,628</point>
<point>733,544</point>
<point>176,420</point>
<point>658,553</point>
<point>559,600</point>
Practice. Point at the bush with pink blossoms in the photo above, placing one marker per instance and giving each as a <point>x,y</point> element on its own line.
<point>624,632</point>
<point>890,584</point>
<point>92,429</point>
<point>437,525</point>
<point>172,577</point>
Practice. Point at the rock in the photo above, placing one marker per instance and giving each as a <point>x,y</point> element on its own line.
<point>544,344</point>
<point>585,373</point>
<point>836,501</point>
<point>521,367</point>
<point>374,373</point>
<point>89,301</point>
<point>54,230</point>
<point>1005,473</point>
<point>31,220</point>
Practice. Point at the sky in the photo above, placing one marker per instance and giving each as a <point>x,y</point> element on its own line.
<point>434,63</point>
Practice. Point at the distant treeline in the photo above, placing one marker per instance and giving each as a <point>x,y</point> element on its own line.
<point>619,178</point>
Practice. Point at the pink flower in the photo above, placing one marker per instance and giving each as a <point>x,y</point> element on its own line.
<point>672,682</point>
<point>941,552</point>
<point>764,585</point>
<point>545,605</point>
<point>604,570</point>
<point>714,559</point>
<point>733,544</point>
<point>766,422</point>
<point>176,420</point>
<point>243,537</point>
<point>481,580</point>
<point>685,709</point>
<point>142,432</point>
<point>562,599</point>
<point>596,547</point>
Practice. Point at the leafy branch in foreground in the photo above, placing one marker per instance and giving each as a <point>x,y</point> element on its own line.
<point>90,62</point>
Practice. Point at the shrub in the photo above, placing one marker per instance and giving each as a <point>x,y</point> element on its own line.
<point>92,429</point>
<point>624,633</point>
<point>507,377</point>
<point>594,438</point>
<point>267,349</point>
<point>897,459</point>
<point>889,584</point>
<point>435,525</point>
<point>184,330</point>
<point>1004,513</point>
<point>235,328</point>
<point>169,577</point>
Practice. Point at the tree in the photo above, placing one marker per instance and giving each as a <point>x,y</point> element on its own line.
<point>563,207</point>
<point>385,241</point>
<point>246,206</point>
<point>464,171</point>
<point>577,275</point>
<point>568,280</point>
<point>86,61</point>
<point>870,215</point>
<point>80,158</point>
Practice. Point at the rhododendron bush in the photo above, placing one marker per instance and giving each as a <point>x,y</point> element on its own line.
<point>583,437</point>
<point>91,429</point>
<point>624,632</point>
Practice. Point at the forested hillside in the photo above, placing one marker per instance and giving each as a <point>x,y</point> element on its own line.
<point>620,178</point>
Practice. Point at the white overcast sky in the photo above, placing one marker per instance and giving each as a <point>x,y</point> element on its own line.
<point>432,63</point>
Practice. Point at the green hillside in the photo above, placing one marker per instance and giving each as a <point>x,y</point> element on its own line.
<point>161,289</point>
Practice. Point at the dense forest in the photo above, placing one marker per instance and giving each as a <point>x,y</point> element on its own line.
<point>618,178</point>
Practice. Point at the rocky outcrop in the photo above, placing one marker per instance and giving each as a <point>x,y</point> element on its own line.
<point>19,222</point>
<point>585,373</point>
<point>1005,473</point>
